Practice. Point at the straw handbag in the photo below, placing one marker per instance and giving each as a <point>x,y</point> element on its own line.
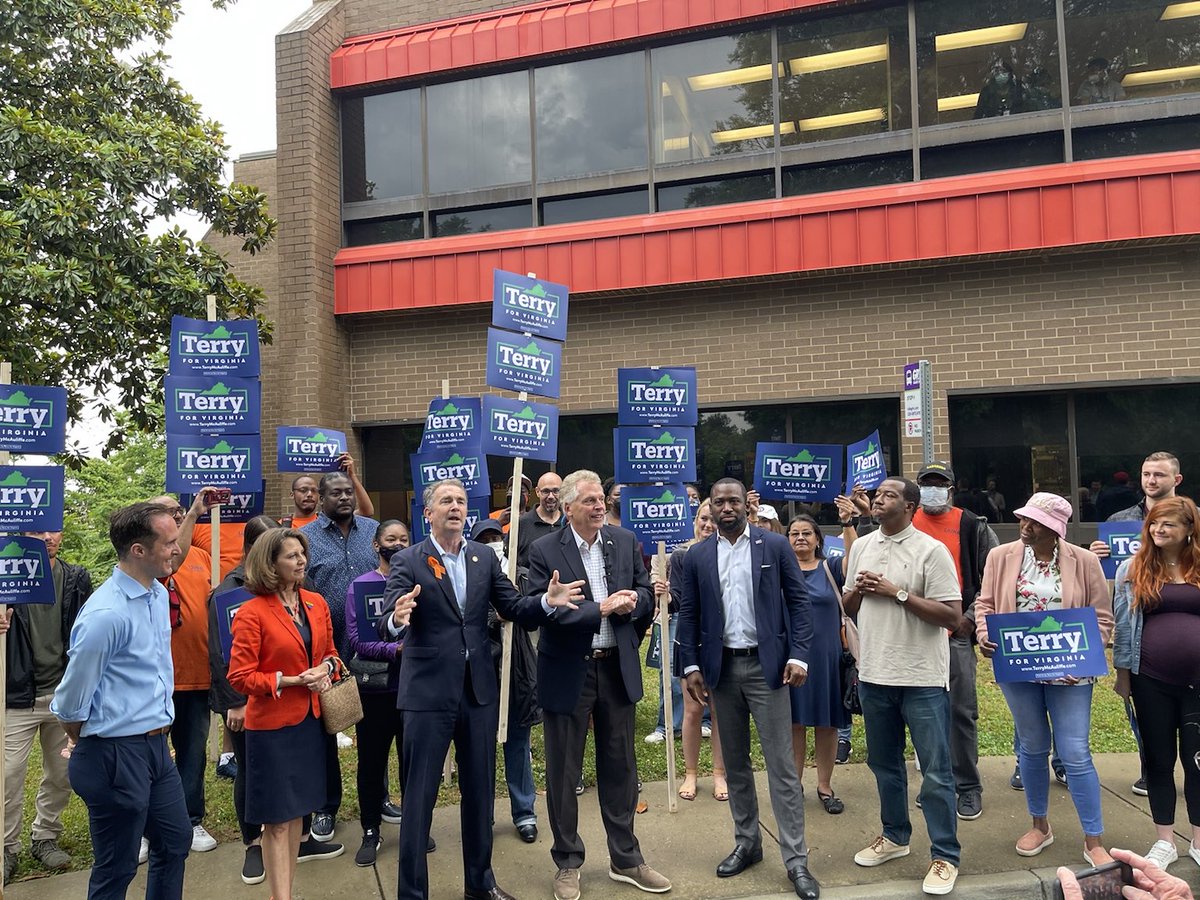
<point>341,706</point>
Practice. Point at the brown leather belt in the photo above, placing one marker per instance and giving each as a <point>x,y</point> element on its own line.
<point>158,731</point>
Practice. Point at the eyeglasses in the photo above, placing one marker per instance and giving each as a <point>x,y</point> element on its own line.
<point>548,490</point>
<point>178,514</point>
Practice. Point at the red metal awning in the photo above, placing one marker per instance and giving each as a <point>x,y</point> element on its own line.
<point>1064,205</point>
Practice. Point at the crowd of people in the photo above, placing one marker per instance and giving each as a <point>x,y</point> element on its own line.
<point>766,626</point>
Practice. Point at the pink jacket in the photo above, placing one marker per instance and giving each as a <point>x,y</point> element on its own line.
<point>1083,584</point>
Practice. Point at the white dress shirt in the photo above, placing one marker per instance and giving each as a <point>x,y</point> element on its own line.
<point>737,590</point>
<point>593,564</point>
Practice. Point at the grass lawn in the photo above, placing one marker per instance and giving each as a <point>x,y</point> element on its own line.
<point>1110,734</point>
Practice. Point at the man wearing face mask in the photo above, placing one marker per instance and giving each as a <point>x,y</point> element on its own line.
<point>1097,86</point>
<point>968,539</point>
<point>1002,94</point>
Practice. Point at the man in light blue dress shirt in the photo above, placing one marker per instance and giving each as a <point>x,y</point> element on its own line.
<point>115,704</point>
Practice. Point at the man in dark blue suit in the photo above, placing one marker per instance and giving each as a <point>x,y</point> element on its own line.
<point>589,667</point>
<point>448,689</point>
<point>744,630</point>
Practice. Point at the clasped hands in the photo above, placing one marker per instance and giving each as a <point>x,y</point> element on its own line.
<point>874,583</point>
<point>316,679</point>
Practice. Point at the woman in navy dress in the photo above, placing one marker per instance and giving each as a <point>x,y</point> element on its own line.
<point>817,704</point>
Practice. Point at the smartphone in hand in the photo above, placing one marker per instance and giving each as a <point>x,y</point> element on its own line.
<point>1102,882</point>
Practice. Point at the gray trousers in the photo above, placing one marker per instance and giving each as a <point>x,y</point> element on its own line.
<point>964,711</point>
<point>741,693</point>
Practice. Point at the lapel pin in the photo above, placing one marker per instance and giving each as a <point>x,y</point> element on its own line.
<point>474,559</point>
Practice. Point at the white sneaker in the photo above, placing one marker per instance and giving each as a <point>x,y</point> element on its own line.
<point>344,741</point>
<point>143,852</point>
<point>655,737</point>
<point>202,841</point>
<point>1162,854</point>
<point>705,731</point>
<point>1194,853</point>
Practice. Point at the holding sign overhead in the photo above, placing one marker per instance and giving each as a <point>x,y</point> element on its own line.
<point>301,449</point>
<point>807,472</point>
<point>239,509</point>
<point>520,428</point>
<point>656,396</point>
<point>212,404</point>
<point>31,498</point>
<point>654,454</point>
<point>467,464</point>
<point>657,513</point>
<point>520,363</point>
<point>529,305</point>
<point>233,461</point>
<point>32,419</point>
<point>25,571</point>
<point>200,347</point>
<point>864,464</point>
<point>451,422</point>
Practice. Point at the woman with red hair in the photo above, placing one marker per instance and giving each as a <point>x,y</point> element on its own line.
<point>1156,655</point>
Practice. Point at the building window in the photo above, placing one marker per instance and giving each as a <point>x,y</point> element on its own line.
<point>1159,136</point>
<point>985,60</point>
<point>591,116</point>
<point>869,171</point>
<point>717,191</point>
<point>381,146</point>
<point>1130,49</point>
<point>449,222</point>
<point>479,133</point>
<point>988,156</point>
<point>713,97</point>
<point>844,76</point>
<point>383,231</point>
<point>595,206</point>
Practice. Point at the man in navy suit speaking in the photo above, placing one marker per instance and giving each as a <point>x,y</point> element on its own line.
<point>441,590</point>
<point>744,630</point>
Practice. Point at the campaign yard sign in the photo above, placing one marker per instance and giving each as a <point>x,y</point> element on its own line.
<point>241,507</point>
<point>477,508</point>
<point>25,571</point>
<point>369,607</point>
<point>227,603</point>
<point>519,428</point>
<point>519,363</point>
<point>806,472</point>
<point>529,305</point>
<point>306,449</point>
<point>212,404</point>
<point>232,461</point>
<point>1040,646</point>
<point>653,396</point>
<point>1124,539</point>
<point>642,454</point>
<point>33,419</point>
<point>451,422</point>
<point>467,464</point>
<point>864,463</point>
<point>31,498</point>
<point>199,347</point>
<point>835,547</point>
<point>657,513</point>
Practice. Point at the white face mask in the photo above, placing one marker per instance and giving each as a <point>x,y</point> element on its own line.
<point>933,497</point>
<point>498,549</point>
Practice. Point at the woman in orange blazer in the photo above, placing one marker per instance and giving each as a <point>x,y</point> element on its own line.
<point>1041,571</point>
<point>282,658</point>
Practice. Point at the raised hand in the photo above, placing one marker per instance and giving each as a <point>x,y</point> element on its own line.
<point>559,594</point>
<point>405,604</point>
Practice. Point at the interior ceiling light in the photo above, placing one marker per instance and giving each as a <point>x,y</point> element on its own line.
<point>1158,76</point>
<point>730,77</point>
<point>961,101</point>
<point>677,143</point>
<point>980,37</point>
<point>1180,11</point>
<point>840,59</point>
<point>754,132</point>
<point>859,117</point>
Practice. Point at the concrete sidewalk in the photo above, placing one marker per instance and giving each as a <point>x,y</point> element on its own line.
<point>687,845</point>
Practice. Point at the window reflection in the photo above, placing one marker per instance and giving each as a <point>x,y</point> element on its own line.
<point>894,168</point>
<point>381,146</point>
<point>595,206</point>
<point>844,76</point>
<point>479,132</point>
<point>447,223</point>
<point>1142,137</point>
<point>1129,49</point>
<point>717,191</point>
<point>383,231</point>
<point>713,97</point>
<point>989,156</point>
<point>986,59</point>
<point>591,116</point>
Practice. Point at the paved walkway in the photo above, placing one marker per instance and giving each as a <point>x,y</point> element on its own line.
<point>687,845</point>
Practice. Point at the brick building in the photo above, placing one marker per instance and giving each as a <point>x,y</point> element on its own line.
<point>796,196</point>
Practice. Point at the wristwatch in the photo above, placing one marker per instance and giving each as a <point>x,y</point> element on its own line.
<point>901,597</point>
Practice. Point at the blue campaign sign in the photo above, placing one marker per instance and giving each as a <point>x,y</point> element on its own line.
<point>467,464</point>
<point>33,419</point>
<point>657,396</point>
<point>369,607</point>
<point>1124,539</point>
<point>240,508</point>
<point>519,428</point>
<point>477,508</point>
<point>212,404</point>
<point>643,454</point>
<point>657,513</point>
<point>1040,646</point>
<point>834,547</point>
<point>199,347</point>
<point>231,461</point>
<point>451,422</point>
<point>300,448</point>
<point>25,571</point>
<point>519,363</point>
<point>807,472</point>
<point>529,305</point>
<point>864,463</point>
<point>227,603</point>
<point>31,498</point>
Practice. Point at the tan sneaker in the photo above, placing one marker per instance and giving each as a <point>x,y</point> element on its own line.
<point>940,878</point>
<point>880,851</point>
<point>566,884</point>
<point>641,877</point>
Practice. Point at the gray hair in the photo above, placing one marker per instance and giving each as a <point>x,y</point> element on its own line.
<point>570,485</point>
<point>430,490</point>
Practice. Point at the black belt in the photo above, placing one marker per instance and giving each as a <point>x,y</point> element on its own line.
<point>740,651</point>
<point>602,652</point>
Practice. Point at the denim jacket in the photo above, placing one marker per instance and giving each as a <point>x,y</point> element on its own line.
<point>1127,626</point>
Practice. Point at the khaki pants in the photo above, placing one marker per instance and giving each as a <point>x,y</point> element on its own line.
<point>20,728</point>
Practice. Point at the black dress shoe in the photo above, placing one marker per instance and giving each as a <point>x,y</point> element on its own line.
<point>738,861</point>
<point>496,893</point>
<point>806,886</point>
<point>431,846</point>
<point>528,833</point>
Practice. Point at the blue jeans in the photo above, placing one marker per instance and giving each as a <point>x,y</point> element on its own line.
<point>844,734</point>
<point>1062,712</point>
<point>676,689</point>
<point>189,737</point>
<point>926,712</point>
<point>518,774</point>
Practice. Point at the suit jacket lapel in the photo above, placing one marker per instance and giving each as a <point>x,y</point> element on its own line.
<point>1066,570</point>
<point>430,551</point>
<point>574,563</point>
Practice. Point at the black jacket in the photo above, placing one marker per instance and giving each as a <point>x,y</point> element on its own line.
<point>77,587</point>
<point>523,707</point>
<point>221,695</point>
